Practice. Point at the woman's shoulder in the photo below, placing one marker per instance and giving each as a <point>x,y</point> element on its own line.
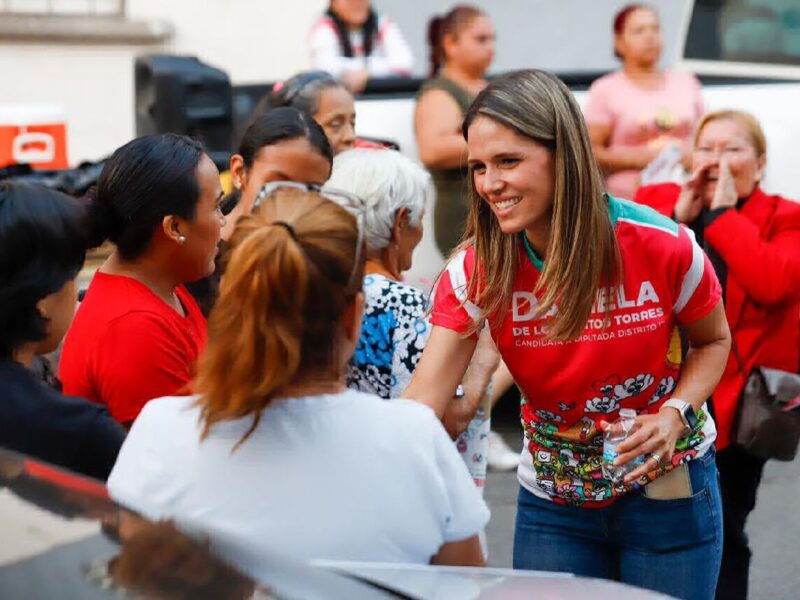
<point>659,196</point>
<point>359,409</point>
<point>380,287</point>
<point>462,259</point>
<point>609,81</point>
<point>115,295</point>
<point>169,413</point>
<point>53,409</point>
<point>787,211</point>
<point>411,415</point>
<point>780,214</point>
<point>446,85</point>
<point>322,22</point>
<point>642,227</point>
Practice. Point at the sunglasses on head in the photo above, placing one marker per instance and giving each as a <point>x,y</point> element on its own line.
<point>350,202</point>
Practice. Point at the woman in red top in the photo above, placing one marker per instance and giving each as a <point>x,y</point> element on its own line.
<point>581,293</point>
<point>753,240</point>
<point>138,331</point>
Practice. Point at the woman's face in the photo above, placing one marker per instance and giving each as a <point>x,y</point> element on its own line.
<point>727,138</point>
<point>336,114</point>
<point>353,12</point>
<point>202,233</point>
<point>513,174</point>
<point>640,41</point>
<point>290,160</point>
<point>472,48</point>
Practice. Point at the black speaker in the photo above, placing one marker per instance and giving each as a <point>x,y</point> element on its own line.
<point>180,94</point>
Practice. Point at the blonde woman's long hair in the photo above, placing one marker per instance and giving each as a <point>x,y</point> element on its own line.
<point>288,280</point>
<point>582,254</point>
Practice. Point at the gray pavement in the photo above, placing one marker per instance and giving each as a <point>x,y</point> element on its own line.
<point>774,526</point>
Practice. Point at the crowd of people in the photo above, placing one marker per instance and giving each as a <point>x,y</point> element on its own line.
<point>260,341</point>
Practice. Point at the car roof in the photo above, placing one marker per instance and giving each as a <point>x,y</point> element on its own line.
<point>64,537</point>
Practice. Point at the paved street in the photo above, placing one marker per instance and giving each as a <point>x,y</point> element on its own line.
<point>774,527</point>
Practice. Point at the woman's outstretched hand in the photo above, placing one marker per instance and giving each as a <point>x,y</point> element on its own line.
<point>485,360</point>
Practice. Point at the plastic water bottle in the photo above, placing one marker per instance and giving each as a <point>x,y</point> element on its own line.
<point>616,433</point>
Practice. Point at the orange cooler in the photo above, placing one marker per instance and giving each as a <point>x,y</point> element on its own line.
<point>33,134</point>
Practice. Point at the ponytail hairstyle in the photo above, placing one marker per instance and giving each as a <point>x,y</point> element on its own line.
<point>144,181</point>
<point>42,247</point>
<point>451,23</point>
<point>289,278</point>
<point>582,255</point>
<point>369,31</point>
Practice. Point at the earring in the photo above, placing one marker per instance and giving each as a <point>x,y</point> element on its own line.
<point>237,183</point>
<point>181,239</point>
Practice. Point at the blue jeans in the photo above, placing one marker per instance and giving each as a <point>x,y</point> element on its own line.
<point>670,546</point>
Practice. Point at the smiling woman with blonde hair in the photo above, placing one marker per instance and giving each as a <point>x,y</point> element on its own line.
<point>581,292</point>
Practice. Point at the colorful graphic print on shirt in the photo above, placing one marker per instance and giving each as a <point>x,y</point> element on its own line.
<point>568,464</point>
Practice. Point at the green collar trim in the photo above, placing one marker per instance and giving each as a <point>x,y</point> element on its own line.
<point>614,212</point>
<point>614,209</point>
<point>535,260</point>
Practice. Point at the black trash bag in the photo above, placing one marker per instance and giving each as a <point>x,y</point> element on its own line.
<point>74,182</point>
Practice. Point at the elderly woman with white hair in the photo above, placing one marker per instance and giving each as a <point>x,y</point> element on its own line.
<point>394,330</point>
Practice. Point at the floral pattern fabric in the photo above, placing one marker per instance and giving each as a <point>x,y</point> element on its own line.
<point>394,331</point>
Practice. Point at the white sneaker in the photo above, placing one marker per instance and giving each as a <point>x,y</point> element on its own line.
<point>501,456</point>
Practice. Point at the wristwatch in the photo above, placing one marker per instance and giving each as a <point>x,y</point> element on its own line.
<point>685,410</point>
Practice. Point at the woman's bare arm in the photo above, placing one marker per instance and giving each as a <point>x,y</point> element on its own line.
<point>617,159</point>
<point>437,124</point>
<point>441,369</point>
<point>465,553</point>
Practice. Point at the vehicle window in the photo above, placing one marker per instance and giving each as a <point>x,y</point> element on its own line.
<point>748,31</point>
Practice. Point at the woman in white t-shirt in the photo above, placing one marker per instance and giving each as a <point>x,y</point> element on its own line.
<point>274,452</point>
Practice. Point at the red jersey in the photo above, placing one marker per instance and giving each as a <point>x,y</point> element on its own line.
<point>127,346</point>
<point>626,357</point>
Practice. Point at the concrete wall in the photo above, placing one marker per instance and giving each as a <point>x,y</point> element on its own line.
<point>263,40</point>
<point>253,40</point>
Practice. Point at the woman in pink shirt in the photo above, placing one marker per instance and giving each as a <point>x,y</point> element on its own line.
<point>634,113</point>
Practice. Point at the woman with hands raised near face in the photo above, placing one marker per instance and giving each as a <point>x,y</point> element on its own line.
<point>753,241</point>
